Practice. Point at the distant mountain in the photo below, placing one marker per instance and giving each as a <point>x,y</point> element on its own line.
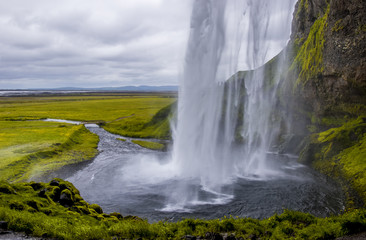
<point>142,88</point>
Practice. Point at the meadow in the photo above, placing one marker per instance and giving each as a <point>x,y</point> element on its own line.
<point>31,148</point>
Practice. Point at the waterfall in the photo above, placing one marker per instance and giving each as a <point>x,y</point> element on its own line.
<point>225,129</point>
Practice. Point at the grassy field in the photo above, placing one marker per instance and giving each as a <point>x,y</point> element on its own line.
<point>29,149</point>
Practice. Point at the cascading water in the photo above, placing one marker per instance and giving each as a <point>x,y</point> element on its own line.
<point>221,162</point>
<point>205,147</point>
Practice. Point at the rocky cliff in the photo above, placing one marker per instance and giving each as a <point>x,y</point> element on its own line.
<point>329,38</point>
<point>327,78</point>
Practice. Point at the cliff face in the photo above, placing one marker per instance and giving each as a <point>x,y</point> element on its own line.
<point>328,80</point>
<point>330,41</point>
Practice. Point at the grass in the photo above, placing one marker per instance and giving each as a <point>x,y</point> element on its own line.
<point>149,144</point>
<point>40,209</point>
<point>30,149</point>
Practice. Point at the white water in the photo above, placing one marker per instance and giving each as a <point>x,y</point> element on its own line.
<point>224,35</point>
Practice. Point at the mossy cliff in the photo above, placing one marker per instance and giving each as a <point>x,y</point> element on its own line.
<point>326,84</point>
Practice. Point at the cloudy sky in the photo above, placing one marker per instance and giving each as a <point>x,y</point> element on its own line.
<point>94,43</point>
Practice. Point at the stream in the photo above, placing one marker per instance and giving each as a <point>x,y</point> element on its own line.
<point>132,180</point>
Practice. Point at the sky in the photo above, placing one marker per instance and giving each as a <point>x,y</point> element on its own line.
<point>94,43</point>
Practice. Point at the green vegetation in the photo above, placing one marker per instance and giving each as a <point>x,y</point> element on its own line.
<point>56,210</point>
<point>340,153</point>
<point>156,127</point>
<point>309,58</point>
<point>34,148</point>
<point>149,145</point>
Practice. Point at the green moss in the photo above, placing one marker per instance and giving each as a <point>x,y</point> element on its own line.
<point>340,153</point>
<point>27,211</point>
<point>303,6</point>
<point>121,139</point>
<point>338,26</point>
<point>309,59</point>
<point>149,145</point>
<point>97,208</point>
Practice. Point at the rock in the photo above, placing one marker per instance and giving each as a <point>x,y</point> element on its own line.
<point>42,193</point>
<point>4,188</point>
<point>3,225</point>
<point>213,236</point>
<point>54,182</point>
<point>36,186</point>
<point>117,215</point>
<point>189,237</point>
<point>229,237</point>
<point>66,198</point>
<point>97,208</point>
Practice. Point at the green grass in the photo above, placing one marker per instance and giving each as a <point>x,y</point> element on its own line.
<point>149,144</point>
<point>158,126</point>
<point>35,148</point>
<point>30,149</point>
<point>37,209</point>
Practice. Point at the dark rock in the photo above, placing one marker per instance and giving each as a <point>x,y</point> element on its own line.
<point>42,193</point>
<point>54,182</point>
<point>36,185</point>
<point>189,237</point>
<point>229,237</point>
<point>6,189</point>
<point>97,208</point>
<point>32,204</point>
<point>252,237</point>
<point>3,225</point>
<point>117,215</point>
<point>66,198</point>
<point>213,236</point>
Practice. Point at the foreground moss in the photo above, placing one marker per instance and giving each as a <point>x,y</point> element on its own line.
<point>56,210</point>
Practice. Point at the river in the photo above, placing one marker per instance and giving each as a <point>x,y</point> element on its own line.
<point>132,180</point>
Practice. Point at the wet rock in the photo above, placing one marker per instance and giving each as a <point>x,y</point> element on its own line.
<point>36,186</point>
<point>42,193</point>
<point>66,198</point>
<point>54,182</point>
<point>213,236</point>
<point>229,237</point>
<point>3,225</point>
<point>189,237</point>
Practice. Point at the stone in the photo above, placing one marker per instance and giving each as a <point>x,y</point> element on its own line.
<point>54,182</point>
<point>3,225</point>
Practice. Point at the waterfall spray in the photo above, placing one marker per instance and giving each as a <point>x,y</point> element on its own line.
<point>224,130</point>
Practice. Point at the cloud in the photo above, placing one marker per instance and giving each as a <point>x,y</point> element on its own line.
<point>91,42</point>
